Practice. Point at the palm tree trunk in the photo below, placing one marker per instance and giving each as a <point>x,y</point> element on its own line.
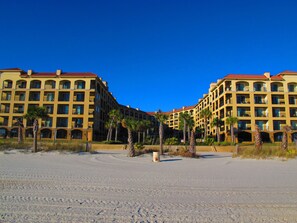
<point>143,137</point>
<point>232,133</point>
<point>161,137</point>
<point>108,133</point>
<point>20,134</point>
<point>205,129</point>
<point>258,140</point>
<point>130,144</point>
<point>110,136</point>
<point>189,134</point>
<point>284,141</point>
<point>35,130</point>
<point>116,134</point>
<point>192,149</point>
<point>184,131</point>
<point>138,136</point>
<point>218,134</point>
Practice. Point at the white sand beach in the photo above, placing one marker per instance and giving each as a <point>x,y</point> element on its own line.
<point>110,187</point>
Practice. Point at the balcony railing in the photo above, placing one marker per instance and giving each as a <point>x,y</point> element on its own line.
<point>5,123</point>
<point>4,110</point>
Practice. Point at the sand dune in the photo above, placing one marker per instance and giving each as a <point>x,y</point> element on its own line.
<point>110,187</point>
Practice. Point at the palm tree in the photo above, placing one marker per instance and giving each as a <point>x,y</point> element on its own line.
<point>20,130</point>
<point>286,130</point>
<point>146,125</point>
<point>139,128</point>
<point>183,118</point>
<point>191,125</point>
<point>217,123</point>
<point>232,121</point>
<point>109,125</point>
<point>131,125</point>
<point>115,118</point>
<point>161,118</point>
<point>258,139</point>
<point>205,114</point>
<point>33,114</point>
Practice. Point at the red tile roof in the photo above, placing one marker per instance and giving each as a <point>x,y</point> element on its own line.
<point>245,76</point>
<point>287,72</point>
<point>66,74</point>
<point>12,69</point>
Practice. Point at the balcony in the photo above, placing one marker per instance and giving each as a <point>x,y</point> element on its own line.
<point>293,112</point>
<point>278,125</point>
<point>35,84</point>
<point>20,97</point>
<point>78,110</point>
<point>64,96</point>
<point>65,85</point>
<point>277,87</point>
<point>244,127</point>
<point>21,84</point>
<point>18,110</point>
<point>47,123</point>
<point>79,97</point>
<point>292,87</point>
<point>79,85</point>
<point>4,123</point>
<point>50,84</point>
<point>49,97</point>
<point>6,96</point>
<point>278,100</point>
<point>243,113</point>
<point>62,122</point>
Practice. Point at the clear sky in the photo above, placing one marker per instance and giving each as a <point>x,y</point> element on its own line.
<point>155,54</point>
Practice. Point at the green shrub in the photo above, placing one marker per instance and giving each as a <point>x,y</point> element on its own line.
<point>70,147</point>
<point>171,141</point>
<point>138,146</point>
<point>209,141</point>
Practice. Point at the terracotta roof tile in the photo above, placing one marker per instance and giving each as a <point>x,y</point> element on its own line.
<point>245,76</point>
<point>67,74</point>
<point>12,69</point>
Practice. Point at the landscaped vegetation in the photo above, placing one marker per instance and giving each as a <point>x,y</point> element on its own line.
<point>43,145</point>
<point>268,151</point>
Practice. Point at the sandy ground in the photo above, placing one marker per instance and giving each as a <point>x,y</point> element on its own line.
<point>110,187</point>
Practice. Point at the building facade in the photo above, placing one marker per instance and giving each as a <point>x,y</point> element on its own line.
<point>77,103</point>
<point>174,116</point>
<point>270,102</point>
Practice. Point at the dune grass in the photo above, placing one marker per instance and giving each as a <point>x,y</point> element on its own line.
<point>267,151</point>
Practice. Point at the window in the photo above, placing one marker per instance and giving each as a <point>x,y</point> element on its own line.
<point>62,122</point>
<point>63,109</point>
<point>80,96</point>
<point>34,96</point>
<point>64,96</point>
<point>35,84</point>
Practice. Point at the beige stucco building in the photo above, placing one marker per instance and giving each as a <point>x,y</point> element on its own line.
<point>264,100</point>
<point>77,103</point>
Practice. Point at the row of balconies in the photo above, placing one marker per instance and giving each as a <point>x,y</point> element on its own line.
<point>258,87</point>
<point>35,96</point>
<point>49,84</point>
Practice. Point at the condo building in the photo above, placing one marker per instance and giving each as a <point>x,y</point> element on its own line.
<point>174,116</point>
<point>270,102</point>
<point>77,103</point>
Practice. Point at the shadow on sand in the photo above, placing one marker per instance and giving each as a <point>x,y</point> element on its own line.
<point>170,160</point>
<point>212,156</point>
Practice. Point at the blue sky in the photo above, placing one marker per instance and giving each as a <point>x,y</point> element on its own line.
<point>154,54</point>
